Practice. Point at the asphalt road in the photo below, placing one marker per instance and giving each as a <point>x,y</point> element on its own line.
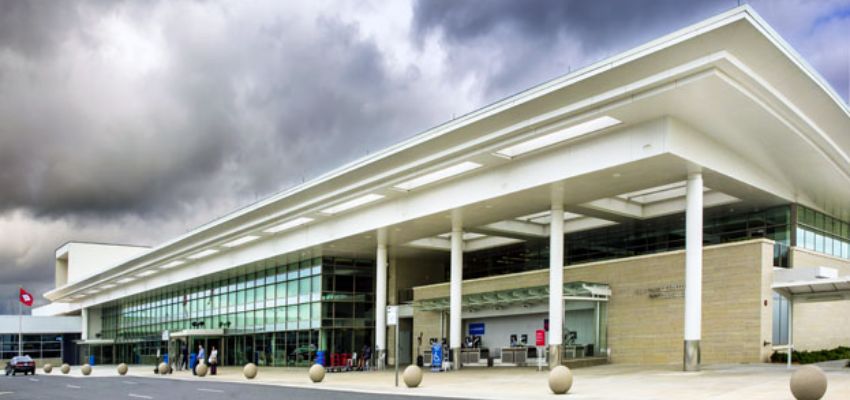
<point>52,387</point>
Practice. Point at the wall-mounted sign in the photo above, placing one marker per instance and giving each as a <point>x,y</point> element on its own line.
<point>476,328</point>
<point>392,315</point>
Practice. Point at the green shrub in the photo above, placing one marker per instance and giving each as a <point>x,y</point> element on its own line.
<point>809,357</point>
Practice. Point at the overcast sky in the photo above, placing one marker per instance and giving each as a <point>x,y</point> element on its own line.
<point>133,122</point>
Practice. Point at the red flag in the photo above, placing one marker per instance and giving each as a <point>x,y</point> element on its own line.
<point>26,298</point>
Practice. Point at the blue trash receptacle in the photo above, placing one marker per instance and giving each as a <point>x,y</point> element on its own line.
<point>91,360</point>
<point>320,357</point>
<point>165,358</point>
<point>193,358</point>
<point>436,357</point>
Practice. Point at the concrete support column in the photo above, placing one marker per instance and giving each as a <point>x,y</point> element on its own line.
<point>84,316</point>
<point>556,278</point>
<point>693,271</point>
<point>381,298</point>
<point>790,330</point>
<point>455,291</point>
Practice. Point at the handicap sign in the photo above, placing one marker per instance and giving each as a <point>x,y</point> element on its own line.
<point>436,357</point>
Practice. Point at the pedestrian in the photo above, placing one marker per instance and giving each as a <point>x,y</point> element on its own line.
<point>213,360</point>
<point>184,350</point>
<point>365,355</point>
<point>202,355</point>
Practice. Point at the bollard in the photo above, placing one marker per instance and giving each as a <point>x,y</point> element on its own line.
<point>560,379</point>
<point>808,383</point>
<point>47,368</point>
<point>65,369</point>
<point>86,369</point>
<point>412,376</point>
<point>317,373</point>
<point>201,370</point>
<point>122,369</point>
<point>250,370</point>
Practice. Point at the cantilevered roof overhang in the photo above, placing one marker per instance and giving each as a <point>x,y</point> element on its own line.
<point>816,290</point>
<point>726,94</point>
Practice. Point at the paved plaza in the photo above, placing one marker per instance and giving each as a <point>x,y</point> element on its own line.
<point>755,381</point>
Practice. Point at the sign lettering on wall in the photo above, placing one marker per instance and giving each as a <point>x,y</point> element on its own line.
<point>670,291</point>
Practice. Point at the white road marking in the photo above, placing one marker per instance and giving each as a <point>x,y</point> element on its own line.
<point>72,386</point>
<point>34,380</point>
<point>2,393</point>
<point>140,396</point>
<point>131,382</point>
<point>211,390</point>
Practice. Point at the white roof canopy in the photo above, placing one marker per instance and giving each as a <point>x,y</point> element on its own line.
<point>811,284</point>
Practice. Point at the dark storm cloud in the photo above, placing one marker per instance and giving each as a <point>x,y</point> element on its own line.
<point>512,45</point>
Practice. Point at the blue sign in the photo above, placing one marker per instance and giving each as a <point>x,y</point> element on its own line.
<point>436,357</point>
<point>476,328</point>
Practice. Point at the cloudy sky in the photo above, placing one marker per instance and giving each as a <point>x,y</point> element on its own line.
<point>132,122</point>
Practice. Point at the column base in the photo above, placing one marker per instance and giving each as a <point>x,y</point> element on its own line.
<point>556,352</point>
<point>692,355</point>
<point>456,358</point>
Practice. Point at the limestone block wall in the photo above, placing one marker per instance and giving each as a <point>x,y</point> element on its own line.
<point>822,325</point>
<point>646,310</point>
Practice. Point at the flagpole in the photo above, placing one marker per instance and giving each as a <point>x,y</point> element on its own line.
<point>20,326</point>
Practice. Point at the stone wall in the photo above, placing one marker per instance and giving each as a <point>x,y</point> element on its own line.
<point>821,325</point>
<point>648,329</point>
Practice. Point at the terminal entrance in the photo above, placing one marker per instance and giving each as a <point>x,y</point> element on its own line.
<point>502,327</point>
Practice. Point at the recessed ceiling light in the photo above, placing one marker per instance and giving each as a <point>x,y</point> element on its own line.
<point>125,280</point>
<point>172,264</point>
<point>357,202</point>
<point>93,291</point>
<point>108,286</point>
<point>571,132</point>
<point>241,241</point>
<point>146,273</point>
<point>289,224</point>
<point>435,176</point>
<point>204,253</point>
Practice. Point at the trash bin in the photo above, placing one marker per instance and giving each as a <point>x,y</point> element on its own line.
<point>165,358</point>
<point>320,357</point>
<point>91,360</point>
<point>193,358</point>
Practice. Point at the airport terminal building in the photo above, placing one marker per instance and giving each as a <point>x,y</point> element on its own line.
<point>674,204</point>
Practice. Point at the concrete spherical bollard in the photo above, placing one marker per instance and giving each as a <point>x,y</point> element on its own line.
<point>317,373</point>
<point>560,380</point>
<point>47,368</point>
<point>808,383</point>
<point>86,370</point>
<point>201,370</point>
<point>122,369</point>
<point>250,370</point>
<point>163,368</point>
<point>412,376</point>
<point>65,369</point>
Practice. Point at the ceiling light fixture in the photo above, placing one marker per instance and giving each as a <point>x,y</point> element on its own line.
<point>204,253</point>
<point>438,175</point>
<point>126,280</point>
<point>571,132</point>
<point>289,224</point>
<point>357,202</point>
<point>172,264</point>
<point>108,286</point>
<point>146,273</point>
<point>241,241</point>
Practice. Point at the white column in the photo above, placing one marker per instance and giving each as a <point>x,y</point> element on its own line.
<point>790,329</point>
<point>556,278</point>
<point>693,272</point>
<point>84,313</point>
<point>455,292</point>
<point>381,298</point>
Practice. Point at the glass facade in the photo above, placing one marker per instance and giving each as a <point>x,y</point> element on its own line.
<point>635,238</point>
<point>821,233</point>
<point>35,346</point>
<point>275,312</point>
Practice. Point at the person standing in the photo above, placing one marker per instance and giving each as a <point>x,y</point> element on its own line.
<point>184,350</point>
<point>213,360</point>
<point>202,355</point>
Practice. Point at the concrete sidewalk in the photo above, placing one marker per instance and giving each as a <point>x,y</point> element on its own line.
<point>756,381</point>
